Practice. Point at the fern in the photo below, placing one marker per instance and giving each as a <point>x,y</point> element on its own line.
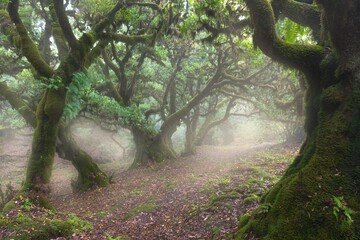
<point>128,116</point>
<point>75,91</point>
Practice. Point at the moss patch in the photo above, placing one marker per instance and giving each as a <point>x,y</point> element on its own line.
<point>149,206</point>
<point>40,224</point>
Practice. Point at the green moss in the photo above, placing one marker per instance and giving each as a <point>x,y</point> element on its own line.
<point>42,228</point>
<point>9,206</point>
<point>244,219</point>
<point>45,202</point>
<point>148,206</point>
<point>332,97</point>
<point>90,179</point>
<point>300,200</point>
<point>55,103</point>
<point>90,176</point>
<point>151,148</point>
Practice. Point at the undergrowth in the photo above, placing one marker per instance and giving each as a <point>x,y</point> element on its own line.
<point>29,222</point>
<point>149,206</point>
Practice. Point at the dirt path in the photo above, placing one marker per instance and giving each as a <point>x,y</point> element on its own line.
<point>197,197</point>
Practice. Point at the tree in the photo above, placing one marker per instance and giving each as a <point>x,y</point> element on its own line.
<point>49,110</point>
<point>317,198</point>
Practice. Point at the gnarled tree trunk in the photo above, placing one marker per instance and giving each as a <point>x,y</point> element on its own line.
<point>89,174</point>
<point>151,148</point>
<point>49,112</point>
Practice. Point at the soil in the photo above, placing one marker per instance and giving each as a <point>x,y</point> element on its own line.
<point>178,195</point>
<point>195,197</point>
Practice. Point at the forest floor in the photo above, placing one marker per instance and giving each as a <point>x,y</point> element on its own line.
<point>195,197</point>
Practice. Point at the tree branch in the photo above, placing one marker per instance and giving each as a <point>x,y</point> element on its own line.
<point>303,57</point>
<point>17,103</point>
<point>302,13</point>
<point>28,47</point>
<point>145,38</point>
<point>64,23</point>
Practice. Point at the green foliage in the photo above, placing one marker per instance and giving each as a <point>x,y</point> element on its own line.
<point>79,86</point>
<point>10,118</point>
<point>20,218</point>
<point>252,198</point>
<point>293,32</point>
<point>80,225</point>
<point>98,7</point>
<point>189,25</point>
<point>26,204</point>
<point>341,211</point>
<point>264,208</point>
<point>47,226</point>
<point>51,83</point>
<point>136,192</point>
<point>131,116</point>
<point>4,2</point>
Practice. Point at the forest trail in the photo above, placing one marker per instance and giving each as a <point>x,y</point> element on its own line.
<point>194,197</point>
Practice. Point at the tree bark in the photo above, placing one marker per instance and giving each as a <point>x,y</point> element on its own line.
<point>49,112</point>
<point>302,204</point>
<point>89,174</point>
<point>191,123</point>
<point>151,148</point>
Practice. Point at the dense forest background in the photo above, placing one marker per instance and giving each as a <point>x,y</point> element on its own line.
<point>114,100</point>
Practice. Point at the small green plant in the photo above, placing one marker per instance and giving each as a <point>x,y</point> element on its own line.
<point>22,218</point>
<point>170,183</point>
<point>26,204</point>
<point>215,232</point>
<point>136,192</point>
<point>265,208</point>
<point>109,237</point>
<point>100,214</point>
<point>252,198</point>
<point>148,206</point>
<point>223,180</point>
<point>51,83</point>
<point>341,211</point>
<point>81,225</point>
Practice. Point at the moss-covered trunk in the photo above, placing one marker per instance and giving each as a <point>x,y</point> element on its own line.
<point>151,148</point>
<point>302,204</point>
<point>189,140</point>
<point>203,131</point>
<point>48,114</point>
<point>318,197</point>
<point>142,143</point>
<point>89,174</point>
